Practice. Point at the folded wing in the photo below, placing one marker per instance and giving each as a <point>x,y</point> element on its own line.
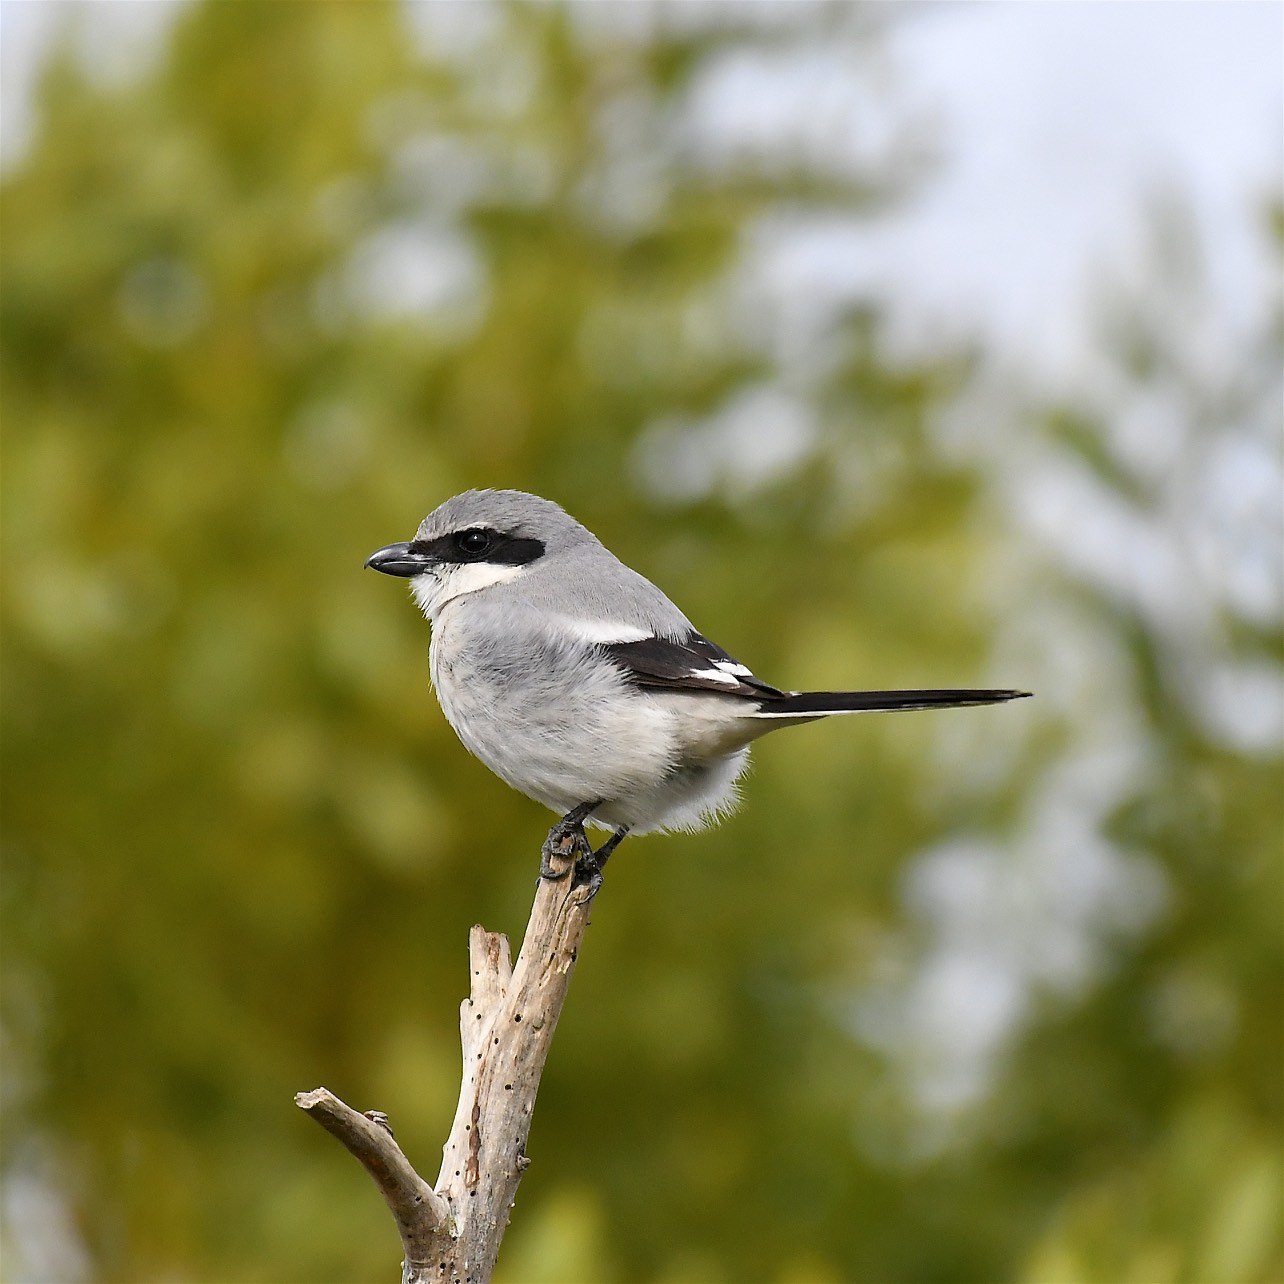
<point>693,663</point>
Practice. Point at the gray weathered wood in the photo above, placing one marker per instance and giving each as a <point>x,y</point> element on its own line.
<point>451,1233</point>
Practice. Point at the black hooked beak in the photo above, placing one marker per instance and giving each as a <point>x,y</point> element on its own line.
<point>401,559</point>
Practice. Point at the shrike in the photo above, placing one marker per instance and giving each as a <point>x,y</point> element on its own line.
<point>576,681</point>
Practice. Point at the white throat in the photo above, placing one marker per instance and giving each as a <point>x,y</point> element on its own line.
<point>435,589</point>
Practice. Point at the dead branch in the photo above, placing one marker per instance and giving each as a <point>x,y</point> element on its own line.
<point>450,1233</point>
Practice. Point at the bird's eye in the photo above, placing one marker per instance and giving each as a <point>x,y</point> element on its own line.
<point>472,542</point>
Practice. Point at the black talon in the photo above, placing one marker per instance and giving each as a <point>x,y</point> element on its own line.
<point>566,840</point>
<point>588,867</point>
<point>587,874</point>
<point>546,869</point>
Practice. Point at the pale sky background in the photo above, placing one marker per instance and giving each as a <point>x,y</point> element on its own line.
<point>1060,119</point>
<point>1057,121</point>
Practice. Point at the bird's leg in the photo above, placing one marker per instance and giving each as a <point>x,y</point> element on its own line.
<point>566,840</point>
<point>589,866</point>
<point>603,853</point>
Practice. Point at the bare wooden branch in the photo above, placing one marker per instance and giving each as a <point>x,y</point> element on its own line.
<point>451,1234</point>
<point>420,1213</point>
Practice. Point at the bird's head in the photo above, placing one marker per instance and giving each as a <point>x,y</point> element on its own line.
<point>475,540</point>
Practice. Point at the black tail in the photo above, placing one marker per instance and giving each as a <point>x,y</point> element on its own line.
<point>816,704</point>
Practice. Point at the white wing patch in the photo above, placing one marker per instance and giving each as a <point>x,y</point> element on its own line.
<point>720,673</point>
<point>602,632</point>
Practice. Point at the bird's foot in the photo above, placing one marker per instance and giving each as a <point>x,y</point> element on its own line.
<point>566,845</point>
<point>588,867</point>
<point>587,873</point>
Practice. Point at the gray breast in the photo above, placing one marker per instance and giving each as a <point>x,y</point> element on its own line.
<point>545,711</point>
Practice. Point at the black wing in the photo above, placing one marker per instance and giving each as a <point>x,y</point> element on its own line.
<point>692,663</point>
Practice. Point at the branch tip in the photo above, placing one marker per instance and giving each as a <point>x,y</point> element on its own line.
<point>490,963</point>
<point>418,1209</point>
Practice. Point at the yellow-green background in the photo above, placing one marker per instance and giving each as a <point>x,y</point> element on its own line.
<point>990,995</point>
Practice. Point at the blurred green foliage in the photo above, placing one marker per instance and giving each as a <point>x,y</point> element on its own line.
<point>320,267</point>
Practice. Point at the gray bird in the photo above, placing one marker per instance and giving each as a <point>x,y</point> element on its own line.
<point>576,681</point>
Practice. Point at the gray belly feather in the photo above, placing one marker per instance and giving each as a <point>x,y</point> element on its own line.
<point>552,719</point>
